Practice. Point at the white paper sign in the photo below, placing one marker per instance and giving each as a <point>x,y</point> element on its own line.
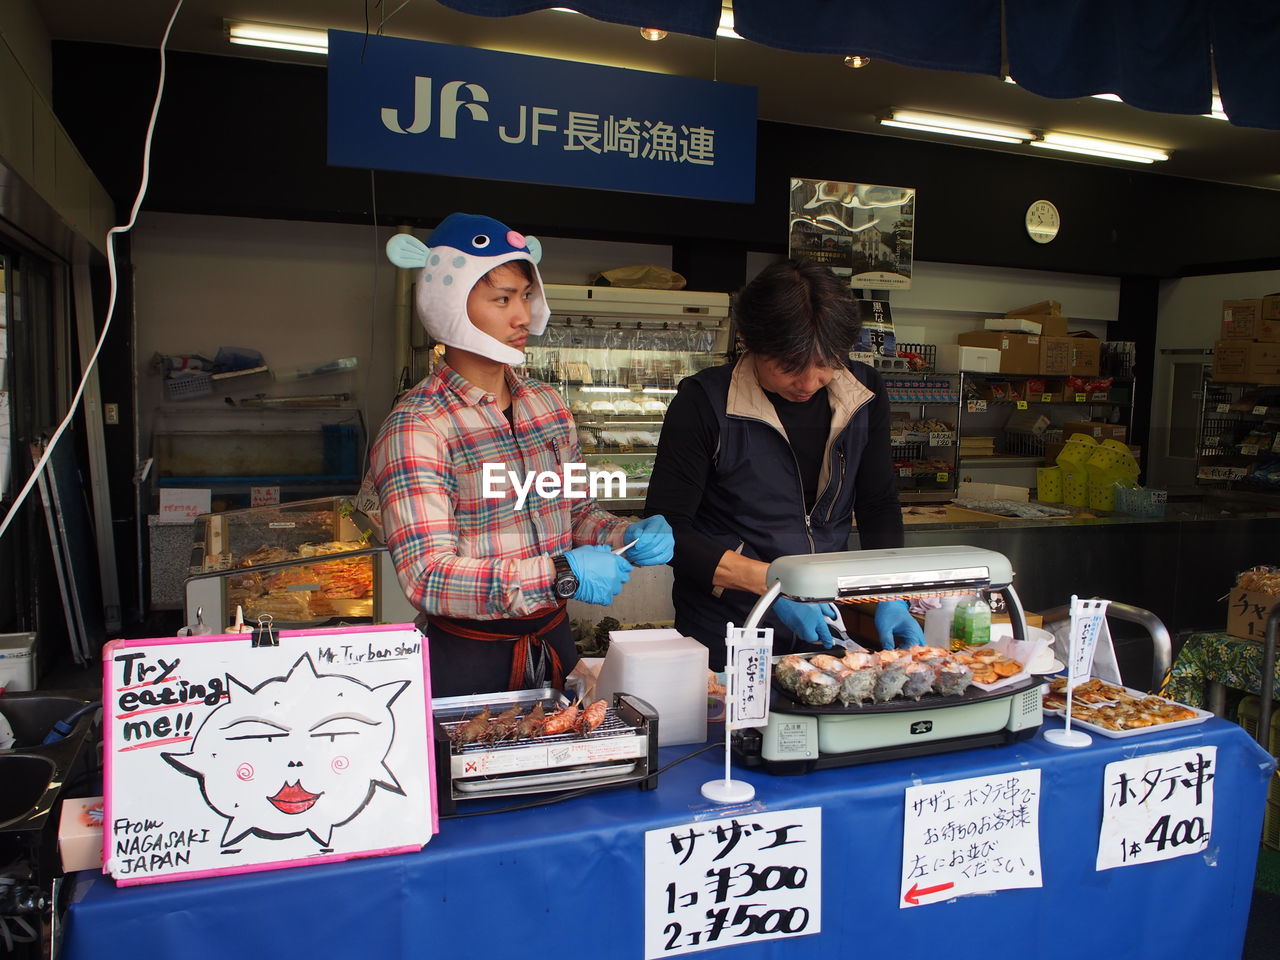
<point>747,677</point>
<point>743,879</point>
<point>971,836</point>
<point>1157,807</point>
<point>1087,618</point>
<point>183,504</point>
<point>264,496</point>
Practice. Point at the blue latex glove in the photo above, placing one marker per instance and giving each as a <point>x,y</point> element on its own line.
<point>806,620</point>
<point>655,543</point>
<point>894,622</point>
<point>600,573</point>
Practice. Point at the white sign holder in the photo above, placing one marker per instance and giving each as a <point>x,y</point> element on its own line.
<point>748,669</point>
<point>1087,618</point>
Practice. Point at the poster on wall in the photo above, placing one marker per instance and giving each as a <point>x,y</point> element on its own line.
<point>228,753</point>
<point>861,231</point>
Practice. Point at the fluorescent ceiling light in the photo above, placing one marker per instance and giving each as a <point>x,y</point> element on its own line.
<point>1091,146</point>
<point>957,126</point>
<point>277,36</point>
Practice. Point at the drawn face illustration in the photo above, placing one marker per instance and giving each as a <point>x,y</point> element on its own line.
<point>297,754</point>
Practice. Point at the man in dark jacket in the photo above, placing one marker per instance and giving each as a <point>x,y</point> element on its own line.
<point>777,454</point>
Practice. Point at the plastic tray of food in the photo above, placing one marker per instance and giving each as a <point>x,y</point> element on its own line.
<point>1096,703</point>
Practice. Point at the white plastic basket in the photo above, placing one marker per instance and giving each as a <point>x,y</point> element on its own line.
<point>188,386</point>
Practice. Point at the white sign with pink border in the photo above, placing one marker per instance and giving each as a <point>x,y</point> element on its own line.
<point>231,753</point>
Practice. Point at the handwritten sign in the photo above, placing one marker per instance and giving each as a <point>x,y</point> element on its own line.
<point>976,406</point>
<point>747,679</point>
<point>971,836</point>
<point>1157,807</point>
<point>737,880</point>
<point>183,504</point>
<point>264,496</point>
<point>1087,618</point>
<point>222,757</point>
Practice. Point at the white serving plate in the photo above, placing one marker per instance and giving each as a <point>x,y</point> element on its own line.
<point>1200,717</point>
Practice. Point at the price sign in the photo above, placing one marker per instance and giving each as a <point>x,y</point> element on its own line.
<point>904,471</point>
<point>1249,449</point>
<point>1081,398</point>
<point>943,476</point>
<point>1046,398</point>
<point>264,496</point>
<point>738,880</point>
<point>977,406</point>
<point>1157,807</point>
<point>1220,473</point>
<point>1211,441</point>
<point>1224,407</point>
<point>942,439</point>
<point>1260,410</point>
<point>1021,405</point>
<point>971,836</point>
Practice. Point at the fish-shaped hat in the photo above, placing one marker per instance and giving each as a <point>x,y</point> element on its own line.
<point>461,250</point>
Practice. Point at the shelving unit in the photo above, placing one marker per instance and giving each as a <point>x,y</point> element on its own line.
<point>924,454</point>
<point>1036,416</point>
<point>1239,436</point>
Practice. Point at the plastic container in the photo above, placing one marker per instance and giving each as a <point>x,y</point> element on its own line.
<point>17,661</point>
<point>937,622</point>
<point>665,669</point>
<point>341,365</point>
<point>971,625</point>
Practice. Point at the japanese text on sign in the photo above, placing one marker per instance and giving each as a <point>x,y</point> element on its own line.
<point>748,673</point>
<point>971,836</point>
<point>738,880</point>
<point>1087,618</point>
<point>1157,807</point>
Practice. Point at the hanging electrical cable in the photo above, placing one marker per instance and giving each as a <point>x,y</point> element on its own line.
<point>22,495</point>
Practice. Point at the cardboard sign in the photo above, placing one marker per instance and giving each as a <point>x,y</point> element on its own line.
<point>1247,613</point>
<point>716,883</point>
<point>1157,807</point>
<point>225,756</point>
<point>971,836</point>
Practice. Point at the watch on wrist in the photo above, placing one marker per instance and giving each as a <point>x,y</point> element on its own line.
<point>565,583</point>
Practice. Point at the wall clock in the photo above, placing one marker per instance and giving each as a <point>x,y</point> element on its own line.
<point>1042,221</point>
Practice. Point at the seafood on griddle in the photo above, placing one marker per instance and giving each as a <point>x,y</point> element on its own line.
<point>593,716</point>
<point>562,721</point>
<point>806,682</point>
<point>474,729</point>
<point>504,725</point>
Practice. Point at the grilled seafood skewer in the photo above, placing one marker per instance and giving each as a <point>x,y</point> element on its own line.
<point>530,725</point>
<point>473,729</point>
<point>504,724</point>
<point>562,721</point>
<point>593,716</point>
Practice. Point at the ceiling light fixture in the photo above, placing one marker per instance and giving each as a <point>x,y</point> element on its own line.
<point>957,126</point>
<point>856,62</point>
<point>1094,147</point>
<point>653,33</point>
<point>277,36</point>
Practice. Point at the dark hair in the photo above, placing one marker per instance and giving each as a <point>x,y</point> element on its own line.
<point>524,267</point>
<point>797,313</point>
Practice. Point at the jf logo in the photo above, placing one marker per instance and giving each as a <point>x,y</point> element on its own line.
<point>456,96</point>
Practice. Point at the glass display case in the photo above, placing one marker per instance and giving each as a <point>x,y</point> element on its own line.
<point>305,563</point>
<point>616,356</point>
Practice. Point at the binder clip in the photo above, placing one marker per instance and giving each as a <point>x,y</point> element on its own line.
<point>264,634</point>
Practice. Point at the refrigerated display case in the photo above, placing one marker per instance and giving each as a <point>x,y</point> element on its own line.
<point>304,563</point>
<point>616,355</point>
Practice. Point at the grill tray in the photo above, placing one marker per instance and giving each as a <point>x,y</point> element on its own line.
<point>781,702</point>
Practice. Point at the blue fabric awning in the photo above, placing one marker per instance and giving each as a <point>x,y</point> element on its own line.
<point>1157,55</point>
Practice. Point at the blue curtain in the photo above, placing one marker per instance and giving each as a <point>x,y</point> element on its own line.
<point>1157,55</point>
<point>1153,53</point>
<point>936,34</point>
<point>1246,54</point>
<point>698,18</point>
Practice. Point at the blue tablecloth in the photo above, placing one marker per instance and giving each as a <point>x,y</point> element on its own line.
<point>568,879</point>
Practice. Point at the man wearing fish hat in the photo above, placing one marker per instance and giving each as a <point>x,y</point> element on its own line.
<point>489,572</point>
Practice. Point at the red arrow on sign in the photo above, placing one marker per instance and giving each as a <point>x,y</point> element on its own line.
<point>915,893</point>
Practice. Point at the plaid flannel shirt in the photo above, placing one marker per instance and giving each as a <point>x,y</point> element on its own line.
<point>456,552</point>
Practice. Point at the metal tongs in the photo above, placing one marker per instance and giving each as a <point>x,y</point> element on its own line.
<point>843,638</point>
